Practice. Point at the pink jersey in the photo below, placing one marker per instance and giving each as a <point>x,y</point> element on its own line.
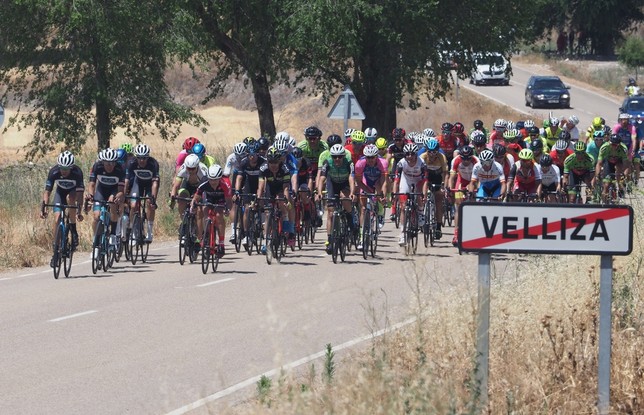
<point>181,157</point>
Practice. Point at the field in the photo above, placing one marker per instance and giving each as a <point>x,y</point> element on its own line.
<point>543,351</point>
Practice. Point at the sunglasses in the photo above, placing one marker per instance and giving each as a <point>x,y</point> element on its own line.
<point>141,158</point>
<point>65,168</point>
<point>432,151</point>
<point>409,154</point>
<point>191,168</point>
<point>312,138</point>
<point>370,157</point>
<point>397,139</point>
<point>337,157</point>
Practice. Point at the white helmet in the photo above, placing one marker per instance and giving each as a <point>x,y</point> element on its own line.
<point>486,155</point>
<point>348,132</point>
<point>410,148</point>
<point>573,119</point>
<point>420,139</point>
<point>429,132</point>
<point>66,159</point>
<point>240,149</point>
<point>370,150</point>
<point>215,172</point>
<point>371,133</point>
<point>291,141</point>
<point>141,150</point>
<point>500,123</point>
<point>624,116</point>
<point>529,124</point>
<point>109,155</point>
<point>337,150</point>
<point>554,121</point>
<point>282,135</point>
<point>282,146</point>
<point>509,125</point>
<point>191,161</point>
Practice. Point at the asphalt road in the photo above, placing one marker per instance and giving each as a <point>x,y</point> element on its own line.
<point>159,337</point>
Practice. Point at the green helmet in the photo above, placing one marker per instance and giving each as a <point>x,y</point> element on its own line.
<point>580,147</point>
<point>127,147</point>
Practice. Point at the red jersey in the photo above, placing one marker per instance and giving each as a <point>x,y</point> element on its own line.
<point>448,143</point>
<point>355,154</point>
<point>560,161</point>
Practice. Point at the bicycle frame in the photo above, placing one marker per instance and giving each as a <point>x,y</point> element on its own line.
<point>62,250</point>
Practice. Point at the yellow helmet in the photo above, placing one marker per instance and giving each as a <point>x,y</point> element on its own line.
<point>358,137</point>
<point>381,143</point>
<point>598,122</point>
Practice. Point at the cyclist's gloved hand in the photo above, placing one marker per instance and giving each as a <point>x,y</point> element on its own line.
<point>170,202</point>
<point>153,202</point>
<point>43,210</point>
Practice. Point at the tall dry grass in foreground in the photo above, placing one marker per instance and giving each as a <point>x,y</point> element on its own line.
<point>543,347</point>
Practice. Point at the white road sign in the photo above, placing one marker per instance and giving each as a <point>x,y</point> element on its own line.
<point>1,115</point>
<point>536,228</point>
<point>347,107</point>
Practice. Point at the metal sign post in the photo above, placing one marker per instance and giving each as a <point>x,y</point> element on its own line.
<point>562,229</point>
<point>347,107</point>
<point>1,115</point>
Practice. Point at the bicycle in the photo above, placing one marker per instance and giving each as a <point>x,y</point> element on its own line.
<point>370,228</point>
<point>275,236</point>
<point>210,253</point>
<point>410,227</point>
<point>63,253</point>
<point>238,223</point>
<point>522,197</point>
<point>187,233</point>
<point>339,238</point>
<point>103,254</point>
<point>136,239</point>
<point>304,228</point>
<point>430,220</point>
<point>255,231</point>
<point>449,210</point>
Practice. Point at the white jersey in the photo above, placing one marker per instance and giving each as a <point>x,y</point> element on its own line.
<point>232,164</point>
<point>202,171</point>
<point>484,176</point>
<point>574,133</point>
<point>408,174</point>
<point>550,176</point>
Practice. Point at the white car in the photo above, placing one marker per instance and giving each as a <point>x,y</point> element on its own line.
<point>491,68</point>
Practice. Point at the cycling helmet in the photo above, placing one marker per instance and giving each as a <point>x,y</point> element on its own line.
<point>546,123</point>
<point>599,134</point>
<point>189,142</point>
<point>358,137</point>
<point>283,135</point>
<point>192,161</point>
<point>370,150</point>
<point>564,135</point>
<point>519,125</point>
<point>486,156</point>
<point>528,124</point>
<point>631,82</point>
<point>200,150</point>
<point>624,116</point>
<point>101,155</point>
<point>432,144</point>
<point>478,124</point>
<point>536,145</point>
<point>263,143</point>
<point>510,125</point>
<point>573,119</point>
<point>273,154</point>
<point>371,133</point>
<point>240,149</point>
<point>554,121</point>
<point>607,130</point>
<point>597,122</point>
<point>109,155</point>
<point>410,148</point>
<point>348,132</point>
<point>333,139</point>
<point>561,145</point>
<point>466,152</point>
<point>580,147</point>
<point>127,147</point>
<point>614,138</point>
<point>398,133</point>
<point>249,140</point>
<point>313,131</point>
<point>291,141</point>
<point>297,153</point>
<point>142,150</point>
<point>420,139</point>
<point>215,172</point>
<point>510,135</point>
<point>546,160</point>
<point>121,154</point>
<point>337,150</point>
<point>478,138</point>
<point>533,130</point>
<point>500,124</point>
<point>282,146</point>
<point>458,128</point>
<point>381,143</point>
<point>253,148</point>
<point>526,154</point>
<point>446,127</point>
<point>66,159</point>
<point>498,150</point>
<point>429,132</point>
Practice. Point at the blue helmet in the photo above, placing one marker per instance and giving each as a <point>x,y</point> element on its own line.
<point>432,144</point>
<point>199,149</point>
<point>121,154</point>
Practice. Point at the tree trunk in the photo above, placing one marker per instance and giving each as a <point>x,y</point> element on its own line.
<point>103,123</point>
<point>264,102</point>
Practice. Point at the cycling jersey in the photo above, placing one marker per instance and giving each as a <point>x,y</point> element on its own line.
<point>250,173</point>
<point>337,173</point>
<point>304,173</point>
<point>370,174</point>
<point>525,180</point>
<point>313,154</point>
<point>551,135</point>
<point>140,178</point>
<point>579,166</point>
<point>107,183</point>
<point>212,195</point>
<point>181,157</point>
<point>275,182</point>
<point>408,175</point>
<point>559,160</point>
<point>482,176</point>
<point>356,153</point>
<point>613,154</point>
<point>436,168</point>
<point>232,164</point>
<point>397,153</point>
<point>550,176</point>
<point>463,170</point>
<point>65,183</point>
<point>627,136</point>
<point>448,143</point>
<point>593,149</point>
<point>495,138</point>
<point>326,154</point>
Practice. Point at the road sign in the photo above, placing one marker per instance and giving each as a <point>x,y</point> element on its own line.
<point>347,107</point>
<point>541,228</point>
<point>1,115</point>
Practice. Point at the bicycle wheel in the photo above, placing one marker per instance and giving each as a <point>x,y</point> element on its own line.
<point>276,240</point>
<point>406,231</point>
<point>58,251</point>
<point>104,250</point>
<point>345,240</point>
<point>366,234</point>
<point>269,238</point>
<point>259,232</point>
<point>397,218</point>
<point>335,238</point>
<point>193,249</point>
<point>214,257</point>
<point>413,231</point>
<point>96,248</point>
<point>205,248</point>
<point>238,225</point>
<point>127,248</point>
<point>135,236</point>
<point>184,240</point>
<point>299,226</point>
<point>68,253</point>
<point>145,246</point>
<point>374,234</point>
<point>250,233</point>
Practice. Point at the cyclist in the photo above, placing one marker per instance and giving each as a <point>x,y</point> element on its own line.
<point>496,137</point>
<point>628,134</point>
<point>570,125</point>
<point>200,150</point>
<point>429,133</point>
<point>303,182</point>
<point>370,177</point>
<point>68,179</point>
<point>248,179</point>
<point>216,191</point>
<point>502,157</point>
<point>240,151</point>
<point>552,132</point>
<point>479,141</point>
<point>597,125</point>
<point>312,147</point>
<point>458,131</point>
<point>595,144</point>
<point>578,168</point>
<point>631,89</point>
<point>188,178</point>
<point>525,175</point>
<point>512,145</point>
<point>106,183</point>
<point>459,178</point>
<point>447,141</point>
<point>264,144</point>
<point>611,161</point>
<point>394,155</point>
<point>381,144</point>
<point>356,146</point>
<point>129,154</point>
<point>409,171</point>
<point>488,179</point>
<point>275,183</point>
<point>550,179</point>
<point>478,126</point>
<point>142,179</point>
<point>559,153</point>
<point>337,176</point>
<point>537,149</point>
<point>437,177</point>
<point>186,148</point>
<point>371,135</point>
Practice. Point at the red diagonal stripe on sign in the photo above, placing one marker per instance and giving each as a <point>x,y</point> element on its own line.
<point>498,239</point>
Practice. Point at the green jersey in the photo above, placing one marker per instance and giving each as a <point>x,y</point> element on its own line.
<point>579,165</point>
<point>313,155</point>
<point>613,155</point>
<point>337,173</point>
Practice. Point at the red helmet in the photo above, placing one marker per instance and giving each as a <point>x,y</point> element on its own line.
<point>189,143</point>
<point>398,133</point>
<point>458,128</point>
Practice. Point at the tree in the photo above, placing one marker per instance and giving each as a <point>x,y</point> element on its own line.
<point>88,66</point>
<point>631,53</point>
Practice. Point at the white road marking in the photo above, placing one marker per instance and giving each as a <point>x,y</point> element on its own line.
<point>248,382</point>
<point>215,282</point>
<point>73,316</point>
<point>16,277</point>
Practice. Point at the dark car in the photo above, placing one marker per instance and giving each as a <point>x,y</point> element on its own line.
<point>633,106</point>
<point>546,91</point>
